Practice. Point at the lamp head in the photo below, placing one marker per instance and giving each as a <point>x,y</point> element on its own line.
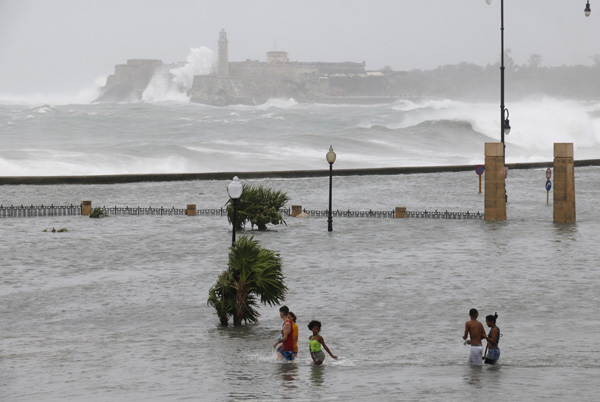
<point>506,122</point>
<point>235,188</point>
<point>330,155</point>
<point>506,126</point>
<point>488,1</point>
<point>587,10</point>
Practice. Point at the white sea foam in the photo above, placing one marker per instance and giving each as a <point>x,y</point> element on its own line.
<point>271,103</point>
<point>200,61</point>
<point>280,135</point>
<point>83,96</point>
<point>172,84</point>
<point>536,123</point>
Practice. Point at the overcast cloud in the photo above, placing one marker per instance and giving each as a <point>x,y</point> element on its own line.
<point>62,46</point>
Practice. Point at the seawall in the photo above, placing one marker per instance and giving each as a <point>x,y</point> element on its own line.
<point>158,177</point>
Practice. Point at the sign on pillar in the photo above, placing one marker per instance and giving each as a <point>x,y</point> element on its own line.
<point>479,169</point>
<point>548,184</point>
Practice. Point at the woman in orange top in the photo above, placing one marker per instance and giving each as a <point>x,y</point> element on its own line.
<point>294,333</point>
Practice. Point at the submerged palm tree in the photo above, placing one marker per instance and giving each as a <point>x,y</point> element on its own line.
<point>253,274</point>
<point>259,206</point>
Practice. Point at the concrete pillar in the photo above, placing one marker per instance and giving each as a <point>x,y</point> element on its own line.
<point>400,212</point>
<point>191,210</point>
<point>86,208</point>
<point>564,183</point>
<point>296,210</point>
<point>495,190</point>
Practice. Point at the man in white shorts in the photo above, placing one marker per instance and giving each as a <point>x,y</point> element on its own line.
<point>474,329</point>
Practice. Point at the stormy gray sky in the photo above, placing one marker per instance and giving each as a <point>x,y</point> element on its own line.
<point>62,46</point>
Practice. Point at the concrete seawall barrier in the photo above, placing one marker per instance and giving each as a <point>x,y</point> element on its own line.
<point>158,177</point>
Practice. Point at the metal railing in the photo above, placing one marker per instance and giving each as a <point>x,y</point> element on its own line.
<point>444,215</point>
<point>70,210</point>
<point>20,211</point>
<point>391,214</point>
<point>350,214</point>
<point>144,211</point>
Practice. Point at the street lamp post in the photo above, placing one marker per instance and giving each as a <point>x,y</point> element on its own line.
<point>330,158</point>
<point>504,122</point>
<point>234,189</point>
<point>587,10</point>
<point>503,110</point>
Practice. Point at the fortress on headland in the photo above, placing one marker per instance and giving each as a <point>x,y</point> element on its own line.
<point>254,82</point>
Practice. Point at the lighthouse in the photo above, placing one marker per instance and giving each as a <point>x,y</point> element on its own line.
<point>223,64</point>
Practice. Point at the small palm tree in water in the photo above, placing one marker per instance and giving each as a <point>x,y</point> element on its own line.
<point>259,206</point>
<point>253,274</point>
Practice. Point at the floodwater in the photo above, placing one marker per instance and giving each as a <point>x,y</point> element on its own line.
<point>115,308</point>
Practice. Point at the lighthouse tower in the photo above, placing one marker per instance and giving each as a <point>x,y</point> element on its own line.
<point>223,64</point>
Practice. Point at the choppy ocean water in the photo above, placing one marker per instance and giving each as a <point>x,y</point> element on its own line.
<point>115,309</point>
<point>168,137</point>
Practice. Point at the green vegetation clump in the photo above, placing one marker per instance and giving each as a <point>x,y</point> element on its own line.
<point>53,230</point>
<point>259,206</point>
<point>98,212</point>
<point>253,274</point>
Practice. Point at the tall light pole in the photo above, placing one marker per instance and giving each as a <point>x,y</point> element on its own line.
<point>330,158</point>
<point>587,10</point>
<point>504,122</point>
<point>234,189</point>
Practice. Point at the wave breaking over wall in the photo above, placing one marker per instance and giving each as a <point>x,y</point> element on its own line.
<point>172,83</point>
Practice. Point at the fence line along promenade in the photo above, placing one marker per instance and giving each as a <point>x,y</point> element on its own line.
<point>24,211</point>
<point>158,177</point>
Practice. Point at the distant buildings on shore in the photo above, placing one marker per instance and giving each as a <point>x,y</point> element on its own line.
<point>250,81</point>
<point>254,82</point>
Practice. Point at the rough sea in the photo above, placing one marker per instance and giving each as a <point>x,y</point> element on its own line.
<point>177,137</point>
<point>115,309</point>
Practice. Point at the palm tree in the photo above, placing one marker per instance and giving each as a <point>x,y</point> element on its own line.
<point>253,274</point>
<point>259,206</point>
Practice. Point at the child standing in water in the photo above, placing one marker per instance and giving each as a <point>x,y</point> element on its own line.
<point>315,341</point>
<point>295,333</point>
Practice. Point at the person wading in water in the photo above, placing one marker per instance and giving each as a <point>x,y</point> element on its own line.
<point>287,338</point>
<point>474,330</point>
<point>493,338</point>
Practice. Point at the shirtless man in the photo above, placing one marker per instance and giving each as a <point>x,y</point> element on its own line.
<point>474,329</point>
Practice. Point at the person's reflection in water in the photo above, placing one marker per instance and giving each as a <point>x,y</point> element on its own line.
<point>289,374</point>
<point>473,376</point>
<point>316,375</point>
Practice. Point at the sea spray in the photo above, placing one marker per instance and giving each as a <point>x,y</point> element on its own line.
<point>537,123</point>
<point>181,137</point>
<point>200,61</point>
<point>173,83</point>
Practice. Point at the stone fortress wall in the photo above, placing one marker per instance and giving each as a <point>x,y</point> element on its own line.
<point>129,81</point>
<point>253,81</point>
<point>246,82</point>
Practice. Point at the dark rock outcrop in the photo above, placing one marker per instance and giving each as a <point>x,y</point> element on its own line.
<point>129,81</point>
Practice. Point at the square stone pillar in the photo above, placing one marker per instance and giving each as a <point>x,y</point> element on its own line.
<point>564,183</point>
<point>495,190</point>
<point>190,210</point>
<point>86,208</point>
<point>296,210</point>
<point>400,212</point>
